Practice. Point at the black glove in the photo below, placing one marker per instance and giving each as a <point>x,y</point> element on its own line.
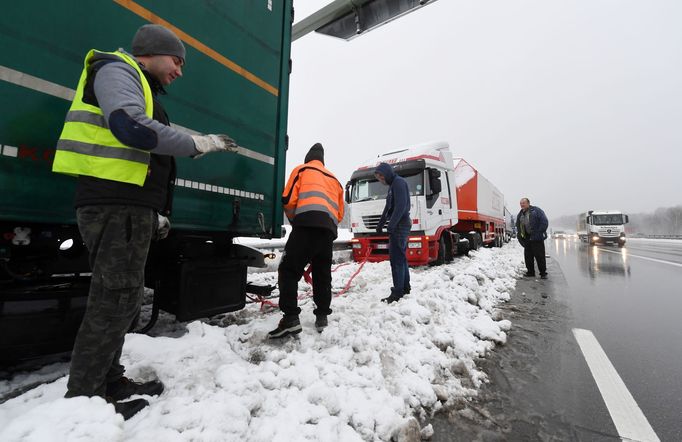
<point>380,230</point>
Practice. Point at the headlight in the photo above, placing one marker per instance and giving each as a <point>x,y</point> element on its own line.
<point>414,245</point>
<point>357,245</point>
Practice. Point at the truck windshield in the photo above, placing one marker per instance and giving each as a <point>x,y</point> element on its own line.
<point>370,189</point>
<point>604,220</point>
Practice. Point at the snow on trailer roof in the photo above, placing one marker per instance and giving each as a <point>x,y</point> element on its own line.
<point>427,151</point>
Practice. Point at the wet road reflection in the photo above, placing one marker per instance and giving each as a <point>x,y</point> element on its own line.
<point>630,298</point>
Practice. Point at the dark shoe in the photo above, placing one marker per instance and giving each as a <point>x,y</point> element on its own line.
<point>320,322</point>
<point>529,275</point>
<point>124,388</point>
<point>543,275</point>
<point>129,409</point>
<point>286,327</point>
<point>407,290</point>
<point>391,298</point>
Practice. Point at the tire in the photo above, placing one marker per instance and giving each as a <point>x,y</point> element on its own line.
<point>474,240</point>
<point>451,248</point>
<point>440,260</point>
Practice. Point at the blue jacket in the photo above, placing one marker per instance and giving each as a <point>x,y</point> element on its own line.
<point>397,209</point>
<point>538,225</point>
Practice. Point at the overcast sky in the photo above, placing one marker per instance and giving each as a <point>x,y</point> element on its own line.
<point>575,104</point>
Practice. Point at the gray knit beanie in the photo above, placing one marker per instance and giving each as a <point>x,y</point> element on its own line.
<point>157,40</point>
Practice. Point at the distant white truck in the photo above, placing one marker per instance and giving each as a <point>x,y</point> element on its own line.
<point>602,227</point>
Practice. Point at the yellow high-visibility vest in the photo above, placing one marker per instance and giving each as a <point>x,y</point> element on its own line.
<point>87,146</point>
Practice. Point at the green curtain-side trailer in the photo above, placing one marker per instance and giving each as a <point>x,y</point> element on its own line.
<point>235,81</point>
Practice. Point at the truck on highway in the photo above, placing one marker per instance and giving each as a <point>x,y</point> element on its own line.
<point>236,82</point>
<point>454,208</point>
<point>602,227</point>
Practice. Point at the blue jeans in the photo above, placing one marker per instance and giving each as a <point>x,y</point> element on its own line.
<point>397,244</point>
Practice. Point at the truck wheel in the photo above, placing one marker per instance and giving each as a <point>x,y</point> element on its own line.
<point>474,240</point>
<point>451,248</point>
<point>441,252</point>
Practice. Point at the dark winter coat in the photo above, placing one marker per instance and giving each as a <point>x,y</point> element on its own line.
<point>397,209</point>
<point>538,225</point>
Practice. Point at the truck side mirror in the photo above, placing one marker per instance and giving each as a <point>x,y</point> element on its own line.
<point>587,220</point>
<point>434,181</point>
<point>627,219</point>
<point>348,186</point>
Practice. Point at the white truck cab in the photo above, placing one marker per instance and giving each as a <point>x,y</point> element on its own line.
<point>602,227</point>
<point>429,171</point>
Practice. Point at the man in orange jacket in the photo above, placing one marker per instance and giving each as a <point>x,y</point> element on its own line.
<point>313,202</point>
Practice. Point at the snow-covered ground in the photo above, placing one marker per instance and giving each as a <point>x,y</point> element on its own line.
<point>363,378</point>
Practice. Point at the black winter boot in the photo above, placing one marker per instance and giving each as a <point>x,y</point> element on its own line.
<point>320,322</point>
<point>391,298</point>
<point>286,327</point>
<point>124,388</point>
<point>129,409</point>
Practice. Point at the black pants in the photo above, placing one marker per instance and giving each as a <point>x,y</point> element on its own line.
<point>306,245</point>
<point>535,250</point>
<point>117,238</point>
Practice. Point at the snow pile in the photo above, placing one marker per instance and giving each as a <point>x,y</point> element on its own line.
<point>363,378</point>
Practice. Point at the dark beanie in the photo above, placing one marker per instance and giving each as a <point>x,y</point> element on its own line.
<point>157,40</point>
<point>315,153</point>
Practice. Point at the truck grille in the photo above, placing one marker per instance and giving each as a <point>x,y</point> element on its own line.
<point>371,221</point>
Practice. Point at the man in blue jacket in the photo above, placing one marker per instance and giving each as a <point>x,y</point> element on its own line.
<point>531,228</point>
<point>397,213</point>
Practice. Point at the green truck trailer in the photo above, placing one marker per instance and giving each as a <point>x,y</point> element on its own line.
<point>235,81</point>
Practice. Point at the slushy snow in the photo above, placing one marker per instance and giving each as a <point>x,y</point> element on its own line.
<point>367,376</point>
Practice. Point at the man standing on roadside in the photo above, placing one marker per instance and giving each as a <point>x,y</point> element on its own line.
<point>313,203</point>
<point>118,141</point>
<point>397,213</point>
<point>531,228</point>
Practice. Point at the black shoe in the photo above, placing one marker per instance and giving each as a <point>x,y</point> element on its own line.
<point>124,388</point>
<point>407,290</point>
<point>391,298</point>
<point>529,275</point>
<point>286,327</point>
<point>129,409</point>
<point>320,322</point>
<point>543,275</point>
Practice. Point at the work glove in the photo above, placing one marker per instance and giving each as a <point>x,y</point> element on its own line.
<point>380,230</point>
<point>162,228</point>
<point>213,143</point>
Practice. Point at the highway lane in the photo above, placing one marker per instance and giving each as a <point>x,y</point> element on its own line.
<point>541,386</point>
<point>631,299</point>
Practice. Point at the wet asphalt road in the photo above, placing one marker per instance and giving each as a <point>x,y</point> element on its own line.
<point>540,385</point>
<point>631,299</point>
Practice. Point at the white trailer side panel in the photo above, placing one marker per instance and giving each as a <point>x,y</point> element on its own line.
<point>490,199</point>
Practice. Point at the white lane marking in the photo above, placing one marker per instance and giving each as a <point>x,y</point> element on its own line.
<point>630,255</point>
<point>625,413</point>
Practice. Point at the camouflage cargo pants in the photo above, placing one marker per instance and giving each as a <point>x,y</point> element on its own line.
<point>117,238</point>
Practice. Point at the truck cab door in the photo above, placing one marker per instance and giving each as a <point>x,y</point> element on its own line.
<point>437,211</point>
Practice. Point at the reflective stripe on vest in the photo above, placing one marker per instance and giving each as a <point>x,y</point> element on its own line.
<point>313,188</point>
<point>86,146</point>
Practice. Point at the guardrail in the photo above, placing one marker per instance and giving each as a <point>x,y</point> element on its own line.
<point>656,236</point>
<point>339,245</point>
